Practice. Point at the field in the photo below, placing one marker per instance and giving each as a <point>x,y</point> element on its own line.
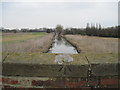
<point>97,49</point>
<point>26,42</point>
<point>20,37</point>
<point>89,44</point>
<point>33,45</point>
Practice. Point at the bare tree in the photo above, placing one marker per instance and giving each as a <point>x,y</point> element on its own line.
<point>59,29</point>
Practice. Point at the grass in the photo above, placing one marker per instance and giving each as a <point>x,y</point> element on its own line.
<point>26,42</point>
<point>30,58</point>
<point>88,44</point>
<point>20,37</point>
<point>49,58</point>
<point>97,49</point>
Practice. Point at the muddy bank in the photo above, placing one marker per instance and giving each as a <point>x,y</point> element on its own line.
<point>73,44</point>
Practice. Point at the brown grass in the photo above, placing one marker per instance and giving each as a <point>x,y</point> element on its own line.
<point>88,44</point>
<point>40,44</point>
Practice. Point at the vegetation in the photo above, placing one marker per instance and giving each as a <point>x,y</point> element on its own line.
<point>28,42</point>
<point>31,44</point>
<point>94,31</point>
<point>49,58</point>
<point>95,58</point>
<point>59,29</point>
<point>97,49</point>
<point>87,44</point>
<point>30,57</point>
<point>20,37</point>
<point>48,30</point>
<point>90,30</point>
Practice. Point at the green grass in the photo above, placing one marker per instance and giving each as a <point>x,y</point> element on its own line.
<point>49,58</point>
<point>37,58</point>
<point>39,33</point>
<point>21,37</point>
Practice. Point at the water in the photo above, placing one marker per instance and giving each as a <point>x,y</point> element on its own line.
<point>60,45</point>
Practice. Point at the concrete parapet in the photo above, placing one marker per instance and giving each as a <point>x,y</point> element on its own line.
<point>104,69</point>
<point>56,70</point>
<point>37,70</point>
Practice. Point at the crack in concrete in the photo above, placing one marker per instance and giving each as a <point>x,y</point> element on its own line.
<point>89,71</point>
<point>64,68</point>
<point>64,59</point>
<point>89,75</point>
<point>5,57</point>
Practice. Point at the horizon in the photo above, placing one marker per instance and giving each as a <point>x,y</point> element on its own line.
<point>54,27</point>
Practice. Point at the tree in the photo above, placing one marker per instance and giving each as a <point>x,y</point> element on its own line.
<point>48,30</point>
<point>59,29</point>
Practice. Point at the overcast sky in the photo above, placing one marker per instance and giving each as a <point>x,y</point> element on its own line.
<point>49,14</point>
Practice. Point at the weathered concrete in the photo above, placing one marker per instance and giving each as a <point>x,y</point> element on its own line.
<point>11,69</point>
<point>55,70</point>
<point>44,65</point>
<point>105,69</point>
<point>42,71</point>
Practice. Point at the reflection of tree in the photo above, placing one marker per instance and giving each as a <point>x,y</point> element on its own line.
<point>59,37</point>
<point>67,44</point>
<point>59,40</point>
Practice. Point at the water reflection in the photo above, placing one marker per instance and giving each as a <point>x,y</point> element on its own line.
<point>60,45</point>
<point>59,40</point>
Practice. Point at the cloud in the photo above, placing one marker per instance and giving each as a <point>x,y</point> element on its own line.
<point>48,14</point>
<point>60,0</point>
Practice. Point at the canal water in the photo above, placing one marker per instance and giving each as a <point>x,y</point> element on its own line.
<point>60,45</point>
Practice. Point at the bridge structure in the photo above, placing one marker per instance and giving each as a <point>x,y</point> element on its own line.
<point>40,74</point>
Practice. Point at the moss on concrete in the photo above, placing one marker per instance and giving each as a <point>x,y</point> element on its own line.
<point>95,58</point>
<point>79,59</point>
<point>49,58</point>
<point>30,58</point>
<point>102,57</point>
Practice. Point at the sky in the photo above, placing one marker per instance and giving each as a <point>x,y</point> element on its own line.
<point>72,13</point>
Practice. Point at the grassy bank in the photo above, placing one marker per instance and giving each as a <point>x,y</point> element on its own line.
<point>89,44</point>
<point>26,42</point>
<point>97,49</point>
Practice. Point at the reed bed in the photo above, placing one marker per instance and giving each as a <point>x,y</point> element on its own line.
<point>90,44</point>
<point>39,44</point>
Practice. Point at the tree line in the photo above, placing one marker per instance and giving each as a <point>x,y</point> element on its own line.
<point>94,31</point>
<point>48,30</point>
<point>90,30</point>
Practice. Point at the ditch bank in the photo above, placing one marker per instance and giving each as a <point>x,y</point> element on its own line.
<point>50,45</point>
<point>73,44</point>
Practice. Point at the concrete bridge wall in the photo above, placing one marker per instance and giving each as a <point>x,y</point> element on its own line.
<point>60,76</point>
